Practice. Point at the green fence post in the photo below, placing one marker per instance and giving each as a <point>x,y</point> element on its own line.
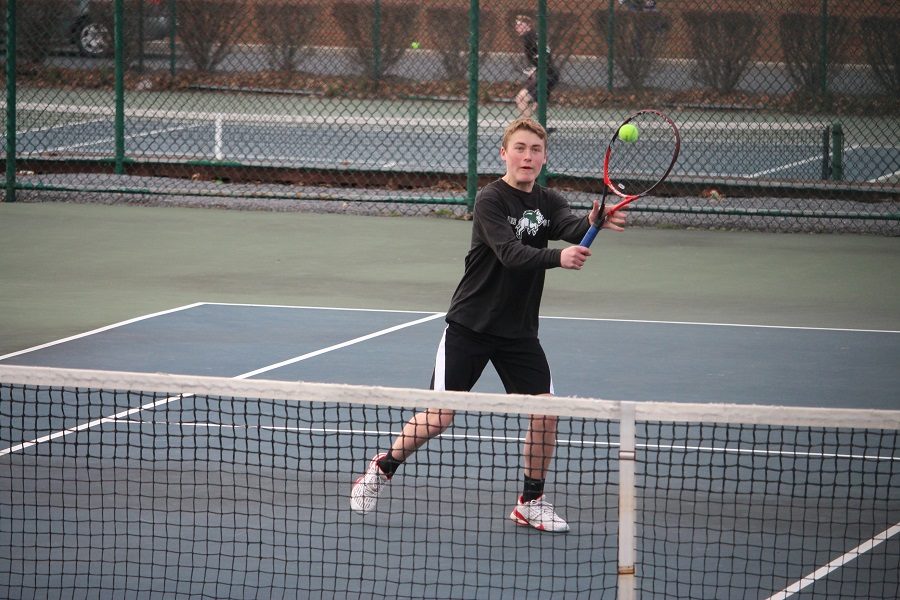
<point>140,34</point>
<point>11,101</point>
<point>376,41</point>
<point>542,74</point>
<point>610,37</point>
<point>172,32</point>
<point>119,37</point>
<point>823,47</point>
<point>472,167</point>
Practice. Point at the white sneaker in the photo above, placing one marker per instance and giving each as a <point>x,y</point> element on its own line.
<point>538,513</point>
<point>367,486</point>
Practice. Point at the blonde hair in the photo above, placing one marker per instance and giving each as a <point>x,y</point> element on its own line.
<point>526,124</point>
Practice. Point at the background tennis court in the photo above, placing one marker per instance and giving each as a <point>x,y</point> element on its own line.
<point>422,136</point>
<point>788,112</point>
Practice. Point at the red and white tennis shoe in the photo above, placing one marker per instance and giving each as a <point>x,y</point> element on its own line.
<point>538,513</point>
<point>368,486</point>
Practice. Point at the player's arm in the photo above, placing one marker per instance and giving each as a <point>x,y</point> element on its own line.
<point>573,257</point>
<point>615,221</point>
<point>571,227</point>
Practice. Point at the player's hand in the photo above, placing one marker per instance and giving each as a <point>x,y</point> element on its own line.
<point>595,212</point>
<point>574,257</point>
<point>615,221</point>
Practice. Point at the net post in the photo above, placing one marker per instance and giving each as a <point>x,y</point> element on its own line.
<point>837,152</point>
<point>826,153</point>
<point>626,569</point>
<point>218,138</point>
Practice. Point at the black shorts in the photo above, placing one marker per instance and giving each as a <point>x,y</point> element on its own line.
<point>463,354</point>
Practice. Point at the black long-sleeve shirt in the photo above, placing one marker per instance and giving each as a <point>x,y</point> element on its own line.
<point>530,47</point>
<point>500,291</point>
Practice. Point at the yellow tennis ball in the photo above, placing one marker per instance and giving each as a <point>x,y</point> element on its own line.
<point>414,45</point>
<point>628,133</point>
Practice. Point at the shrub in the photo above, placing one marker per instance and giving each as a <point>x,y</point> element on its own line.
<point>639,38</point>
<point>801,43</point>
<point>882,50</point>
<point>209,29</point>
<point>724,43</point>
<point>285,28</point>
<point>358,20</point>
<point>446,25</point>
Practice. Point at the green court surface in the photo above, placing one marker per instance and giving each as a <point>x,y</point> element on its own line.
<point>68,268</point>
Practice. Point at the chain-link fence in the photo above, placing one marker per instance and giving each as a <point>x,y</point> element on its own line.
<point>788,109</point>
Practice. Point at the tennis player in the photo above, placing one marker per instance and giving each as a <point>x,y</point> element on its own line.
<point>493,316</point>
<point>526,99</point>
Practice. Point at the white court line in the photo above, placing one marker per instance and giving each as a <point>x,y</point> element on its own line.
<point>550,317</point>
<point>101,330</point>
<point>791,165</point>
<point>702,324</point>
<point>885,177</point>
<point>336,308</point>
<point>837,563</point>
<point>353,431</point>
<point>195,305</point>
<point>91,424</point>
<point>112,139</point>
<point>379,310</point>
<point>61,126</point>
<point>364,338</point>
<point>798,163</point>
<point>427,123</point>
<point>502,438</point>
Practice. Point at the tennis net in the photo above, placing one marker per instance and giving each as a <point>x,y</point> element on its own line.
<point>180,486</point>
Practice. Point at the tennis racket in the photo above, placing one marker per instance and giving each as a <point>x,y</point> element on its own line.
<point>632,169</point>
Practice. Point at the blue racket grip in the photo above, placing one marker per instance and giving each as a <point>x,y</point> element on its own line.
<point>589,236</point>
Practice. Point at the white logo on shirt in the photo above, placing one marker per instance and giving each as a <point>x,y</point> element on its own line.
<point>530,222</point>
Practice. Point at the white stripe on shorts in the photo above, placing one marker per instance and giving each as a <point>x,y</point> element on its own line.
<point>440,364</point>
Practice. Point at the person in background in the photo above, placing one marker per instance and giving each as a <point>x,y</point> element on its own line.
<point>526,99</point>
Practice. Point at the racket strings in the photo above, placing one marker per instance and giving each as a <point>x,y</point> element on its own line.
<point>635,167</point>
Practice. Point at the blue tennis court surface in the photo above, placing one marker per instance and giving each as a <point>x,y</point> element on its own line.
<point>614,359</point>
<point>300,523</point>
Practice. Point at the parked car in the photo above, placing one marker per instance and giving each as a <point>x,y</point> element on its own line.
<point>91,23</point>
<point>85,24</point>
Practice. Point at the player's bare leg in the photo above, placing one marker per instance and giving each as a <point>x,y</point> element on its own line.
<point>419,429</point>
<point>540,443</point>
<point>525,103</point>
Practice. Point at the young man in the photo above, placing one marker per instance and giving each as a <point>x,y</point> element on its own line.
<point>527,98</point>
<point>493,316</point>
